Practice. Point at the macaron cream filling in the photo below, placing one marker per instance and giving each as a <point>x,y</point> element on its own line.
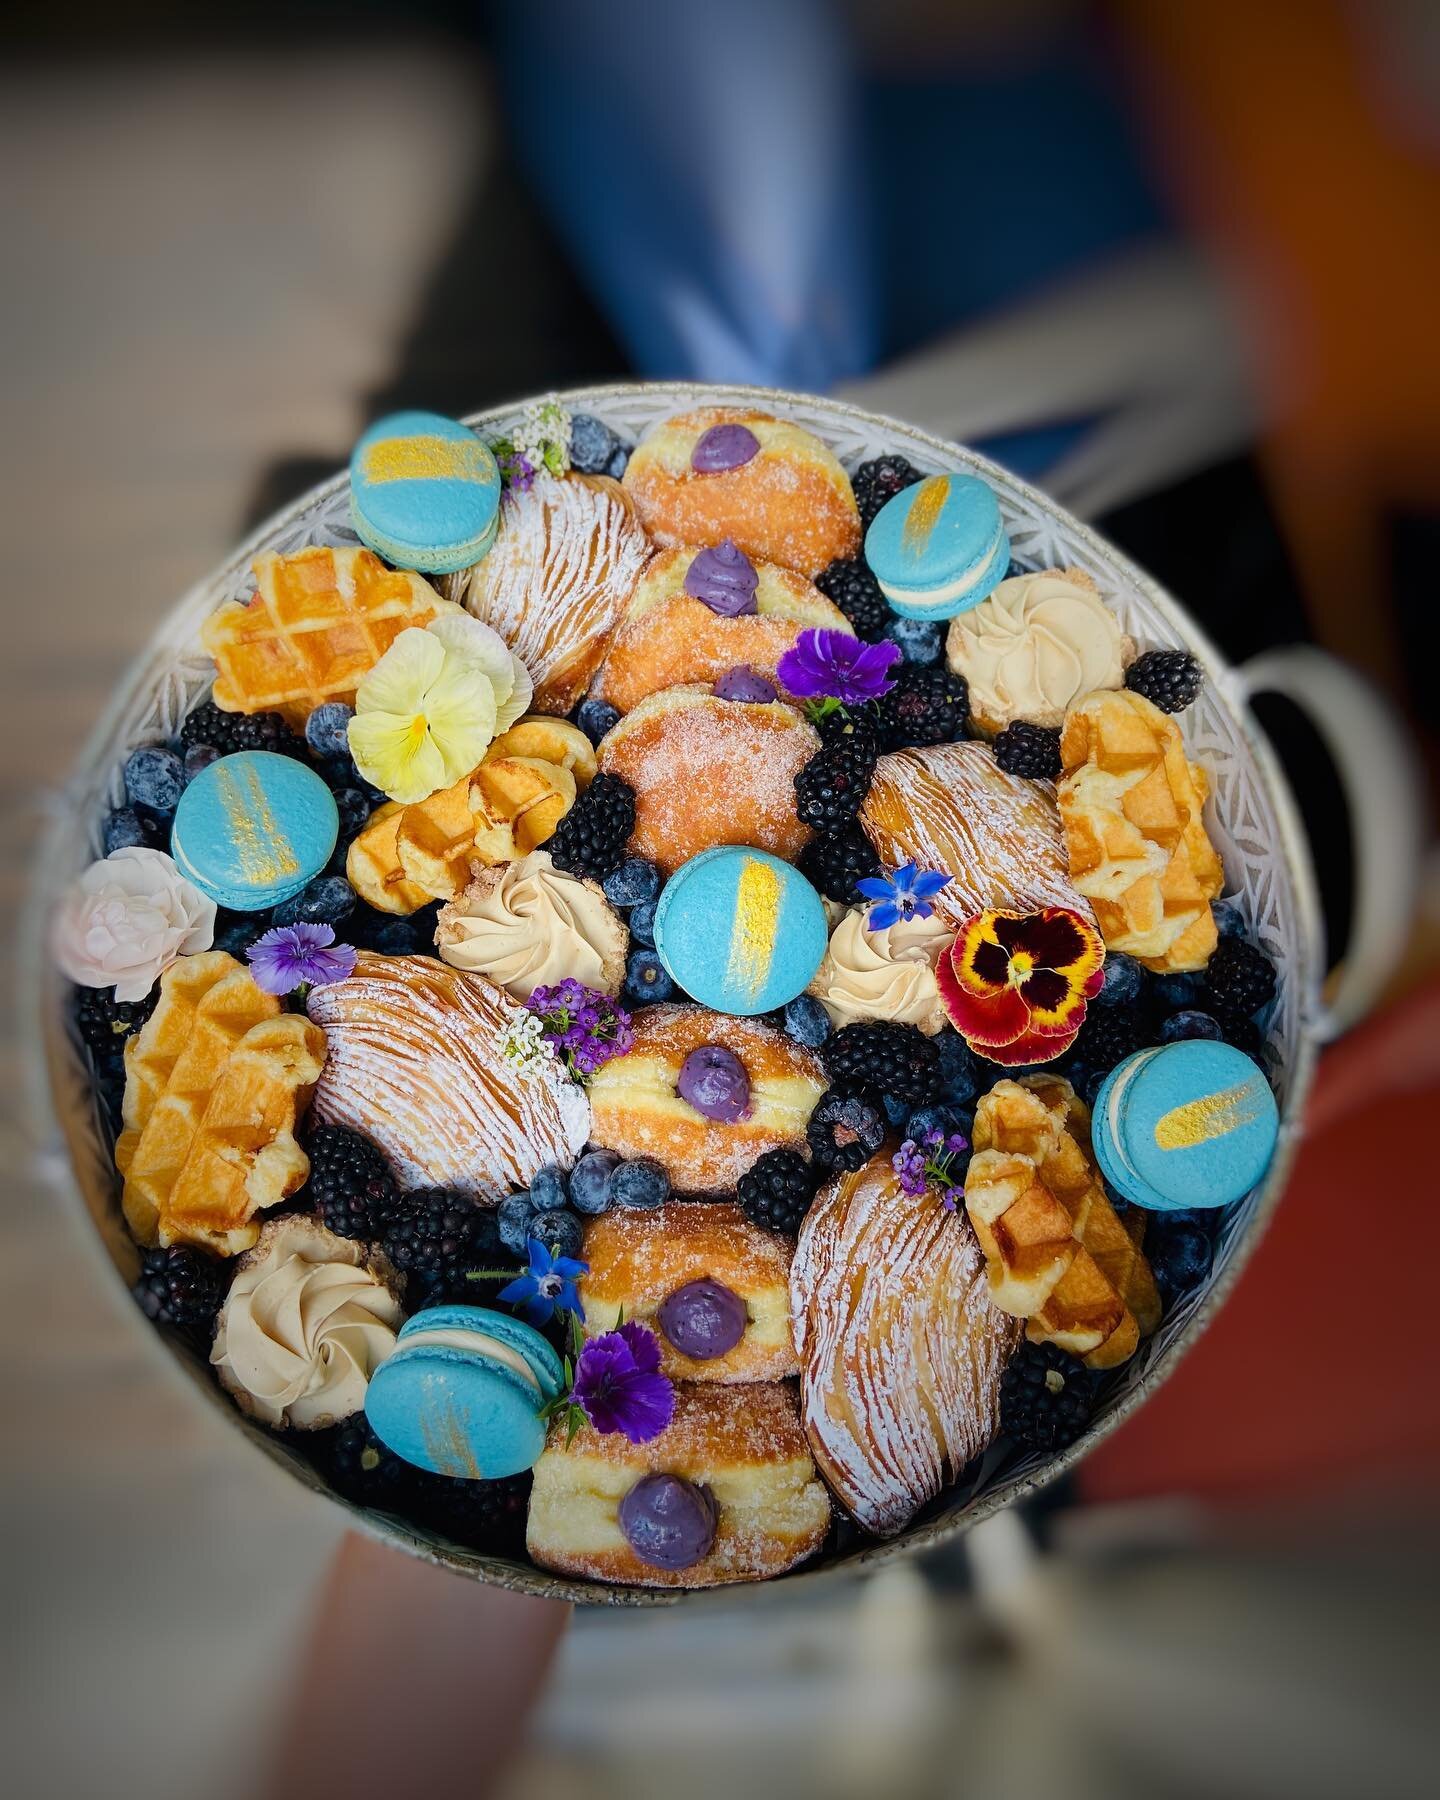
<point>441,1338</point>
<point>950,590</point>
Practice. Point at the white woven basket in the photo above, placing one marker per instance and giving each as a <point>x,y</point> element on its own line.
<point>1251,818</point>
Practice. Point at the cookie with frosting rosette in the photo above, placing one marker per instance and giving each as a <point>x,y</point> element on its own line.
<point>527,925</point>
<point>1015,985</point>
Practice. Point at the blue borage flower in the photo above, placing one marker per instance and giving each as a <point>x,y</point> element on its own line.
<point>548,1286</point>
<point>930,1166</point>
<point>902,895</point>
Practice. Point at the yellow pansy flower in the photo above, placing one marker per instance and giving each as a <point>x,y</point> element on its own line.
<point>424,717</point>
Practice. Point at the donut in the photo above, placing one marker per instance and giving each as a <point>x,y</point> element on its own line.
<point>668,637</point>
<point>712,1287</point>
<point>636,1108</point>
<point>707,771</point>
<point>730,1479</point>
<point>731,472</point>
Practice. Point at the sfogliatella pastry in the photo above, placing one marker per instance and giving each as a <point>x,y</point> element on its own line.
<point>698,614</point>
<point>1058,1255</point>
<point>558,580</point>
<point>1035,645</point>
<point>705,1094</point>
<point>415,1065</point>
<point>309,1318</point>
<point>1131,802</point>
<point>318,623</point>
<point>215,1084</point>
<point>726,1493</point>
<point>730,472</point>
<point>712,1287</point>
<point>901,1349</point>
<point>528,924</point>
<point>708,771</point>
<point>998,837</point>
<point>887,974</point>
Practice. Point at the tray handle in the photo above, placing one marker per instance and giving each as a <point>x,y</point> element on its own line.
<point>1379,777</point>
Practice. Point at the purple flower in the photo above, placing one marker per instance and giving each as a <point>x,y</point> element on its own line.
<point>909,1164</point>
<point>583,1028</point>
<point>290,956</point>
<point>833,665</point>
<point>903,895</point>
<point>931,1167</point>
<point>547,1286</point>
<point>619,1386</point>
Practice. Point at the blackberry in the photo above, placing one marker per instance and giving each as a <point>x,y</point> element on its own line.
<point>1239,978</point>
<point>856,592</point>
<point>483,1514</point>
<point>1237,1029</point>
<point>365,1470</point>
<point>831,788</point>
<point>229,732</point>
<point>181,1287</point>
<point>892,1059</point>
<point>846,1128</point>
<point>350,1182</point>
<point>459,1281</point>
<point>1029,750</point>
<point>855,725</point>
<point>590,839</point>
<point>105,1022</point>
<point>836,862</point>
<point>1108,1036</point>
<point>879,480</point>
<point>925,706</point>
<point>775,1192</point>
<point>1046,1397</point>
<point>433,1235</point>
<point>1169,679</point>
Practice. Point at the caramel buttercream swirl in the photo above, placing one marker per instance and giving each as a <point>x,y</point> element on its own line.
<point>527,924</point>
<point>307,1322</point>
<point>887,975</point>
<point>1036,644</point>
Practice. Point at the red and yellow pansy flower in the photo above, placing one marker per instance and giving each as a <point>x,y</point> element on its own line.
<point>1015,984</point>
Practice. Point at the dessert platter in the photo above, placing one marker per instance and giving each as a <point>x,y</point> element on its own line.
<point>671,987</point>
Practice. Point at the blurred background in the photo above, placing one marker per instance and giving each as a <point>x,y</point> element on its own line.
<point>1175,262</point>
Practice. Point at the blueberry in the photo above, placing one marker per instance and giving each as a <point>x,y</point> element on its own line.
<point>513,1221</point>
<point>1016,568</point>
<point>236,932</point>
<point>198,757</point>
<point>547,1189</point>
<point>412,936</point>
<point>959,1077</point>
<point>1123,976</point>
<point>325,729</point>
<point>925,1119</point>
<point>354,810</point>
<point>634,881</point>
<point>155,777</point>
<point>896,1111</point>
<point>590,1181</point>
<point>616,466</point>
<point>129,830</point>
<point>328,900</point>
<point>920,640</point>
<point>807,1021</point>
<point>1188,1024</point>
<point>647,980</point>
<point>592,444</point>
<point>559,1231</point>
<point>1229,920</point>
<point>642,923</point>
<point>1177,991</point>
<point>642,1183</point>
<point>1179,1254</point>
<point>595,718</point>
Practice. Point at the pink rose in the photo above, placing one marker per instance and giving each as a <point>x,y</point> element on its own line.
<point>127,919</point>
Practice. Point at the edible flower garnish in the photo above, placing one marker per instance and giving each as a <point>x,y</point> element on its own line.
<point>617,1386</point>
<point>548,1286</point>
<point>539,444</point>
<point>834,666</point>
<point>300,955</point>
<point>930,1165</point>
<point>905,894</point>
<point>126,919</point>
<point>1015,984</point>
<point>581,1027</point>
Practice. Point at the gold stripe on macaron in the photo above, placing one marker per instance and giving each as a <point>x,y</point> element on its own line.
<point>924,514</point>
<point>755,928</point>
<point>1211,1116</point>
<point>425,458</point>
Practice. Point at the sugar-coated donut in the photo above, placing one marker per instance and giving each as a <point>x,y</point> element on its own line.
<point>651,1264</point>
<point>708,771</point>
<point>668,637</point>
<point>789,502</point>
<point>636,1110</point>
<point>742,1447</point>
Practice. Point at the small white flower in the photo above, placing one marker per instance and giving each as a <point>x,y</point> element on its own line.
<point>543,436</point>
<point>127,919</point>
<point>524,1045</point>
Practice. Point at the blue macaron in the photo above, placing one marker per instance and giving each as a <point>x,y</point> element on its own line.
<point>1190,1124</point>
<point>254,828</point>
<point>939,547</point>
<point>739,930</point>
<point>462,1392</point>
<point>424,492</point>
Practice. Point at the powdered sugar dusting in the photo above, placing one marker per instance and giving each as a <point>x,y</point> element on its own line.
<point>901,1351</point>
<point>414,1064</point>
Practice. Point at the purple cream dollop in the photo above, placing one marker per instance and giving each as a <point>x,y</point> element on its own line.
<point>723,579</point>
<point>743,683</point>
<point>713,1080</point>
<point>704,1319</point>
<point>668,1522</point>
<point>723,447</point>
